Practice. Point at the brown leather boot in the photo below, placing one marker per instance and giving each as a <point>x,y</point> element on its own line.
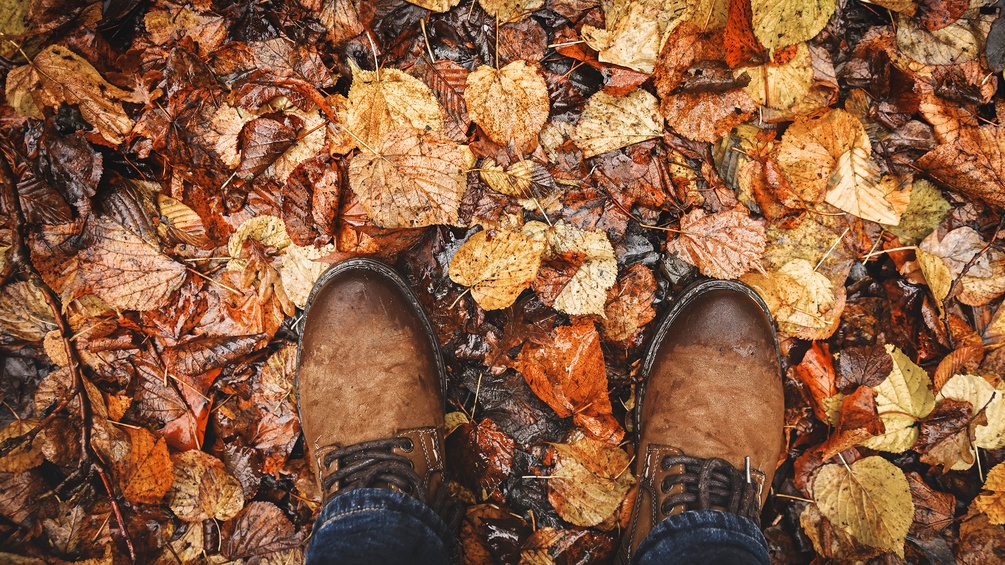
<point>710,412</point>
<point>370,384</point>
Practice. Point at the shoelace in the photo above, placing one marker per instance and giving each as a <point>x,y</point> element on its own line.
<point>374,463</point>
<point>709,484</point>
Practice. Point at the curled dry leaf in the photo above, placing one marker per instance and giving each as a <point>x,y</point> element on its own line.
<point>780,23</point>
<point>497,266</point>
<point>203,488</point>
<point>903,399</point>
<point>125,271</point>
<point>567,372</point>
<point>388,99</point>
<point>724,245</point>
<point>870,500</point>
<point>413,179</point>
<point>611,122</point>
<point>58,75</point>
<point>981,396</point>
<point>590,481</point>
<point>992,500</point>
<point>510,104</point>
<point>596,268</point>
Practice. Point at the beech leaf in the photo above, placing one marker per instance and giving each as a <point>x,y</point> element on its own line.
<point>385,100</point>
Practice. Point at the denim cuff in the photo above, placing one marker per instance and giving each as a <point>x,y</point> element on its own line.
<point>368,523</point>
<point>704,536</point>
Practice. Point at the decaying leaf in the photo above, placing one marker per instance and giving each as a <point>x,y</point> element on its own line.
<point>590,481</point>
<point>585,291</point>
<point>902,400</point>
<point>510,10</point>
<point>203,489</point>
<point>24,313</point>
<point>992,502</point>
<point>724,245</point>
<point>497,266</point>
<point>629,304</point>
<point>611,122</point>
<point>388,99</point>
<point>25,455</point>
<point>510,104</point>
<point>981,396</point>
<point>870,500</point>
<point>412,180</point>
<point>972,165</point>
<point>947,435</point>
<point>567,372</point>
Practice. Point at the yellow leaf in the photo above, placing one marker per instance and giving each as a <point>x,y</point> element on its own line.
<point>992,503</point>
<point>523,179</point>
<point>21,81</point>
<point>301,268</point>
<point>586,292</point>
<point>632,41</point>
<point>780,87</point>
<point>510,104</point>
<point>924,213</point>
<point>203,488</point>
<point>811,148</point>
<point>611,122</point>
<point>958,42</point>
<point>780,23</point>
<point>590,481</point>
<point>25,455</point>
<point>981,395</point>
<point>802,300</point>
<point>24,313</point>
<point>510,10</point>
<point>380,102</point>
<point>414,180</point>
<point>146,473</point>
<point>497,266</point>
<point>901,400</point>
<point>856,187</point>
<point>870,500</point>
<point>435,5</point>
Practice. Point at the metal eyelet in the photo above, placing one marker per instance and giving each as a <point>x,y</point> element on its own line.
<point>409,445</point>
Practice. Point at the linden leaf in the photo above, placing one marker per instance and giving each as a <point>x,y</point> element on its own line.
<point>611,122</point>
<point>804,302</point>
<point>497,266</point>
<point>203,488</point>
<point>992,502</point>
<point>631,37</point>
<point>981,396</point>
<point>385,100</point>
<point>65,77</point>
<point>414,180</point>
<point>780,23</point>
<point>590,481</point>
<point>567,371</point>
<point>125,271</point>
<point>510,104</point>
<point>870,500</point>
<point>784,86</point>
<point>811,148</point>
<point>510,10</point>
<point>724,245</point>
<point>855,186</point>
<point>902,399</point>
<point>585,292</point>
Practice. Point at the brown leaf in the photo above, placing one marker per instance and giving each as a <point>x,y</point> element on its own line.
<point>447,80</point>
<point>816,371</point>
<point>567,372</point>
<point>866,366</point>
<point>629,304</point>
<point>992,502</point>
<point>203,489</point>
<point>859,420</point>
<point>972,165</point>
<point>590,481</point>
<point>548,546</point>
<point>24,313</point>
<point>145,475</point>
<point>201,354</point>
<point>24,456</point>
<point>485,456</point>
<point>124,270</point>
<point>724,245</point>
<point>258,530</point>
<point>510,104</point>
<point>489,532</point>
<point>947,434</point>
<point>980,541</point>
<point>933,510</point>
<point>264,139</point>
<point>963,360</point>
<point>414,179</point>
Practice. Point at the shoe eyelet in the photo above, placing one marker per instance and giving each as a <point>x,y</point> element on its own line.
<point>408,446</point>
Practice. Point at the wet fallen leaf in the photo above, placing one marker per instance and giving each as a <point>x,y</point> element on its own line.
<point>992,502</point>
<point>804,302</point>
<point>550,546</point>
<point>23,456</point>
<point>629,304</point>
<point>411,181</point>
<point>202,488</point>
<point>778,24</point>
<point>947,434</point>
<point>924,212</point>
<point>258,530</point>
<point>590,481</point>
<point>866,365</point>
<point>870,500</point>
<point>510,10</point>
<point>24,313</point>
<point>902,399</point>
<point>585,291</point>
<point>145,475</point>
<point>567,371</point>
<point>724,245</point>
<point>486,453</point>
<point>497,266</point>
<point>385,100</point>
<point>610,122</point>
<point>981,396</point>
<point>510,104</point>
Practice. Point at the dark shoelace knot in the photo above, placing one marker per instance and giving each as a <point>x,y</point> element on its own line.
<point>374,464</point>
<point>709,484</point>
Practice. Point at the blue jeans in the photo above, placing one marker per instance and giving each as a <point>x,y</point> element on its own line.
<point>369,526</point>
